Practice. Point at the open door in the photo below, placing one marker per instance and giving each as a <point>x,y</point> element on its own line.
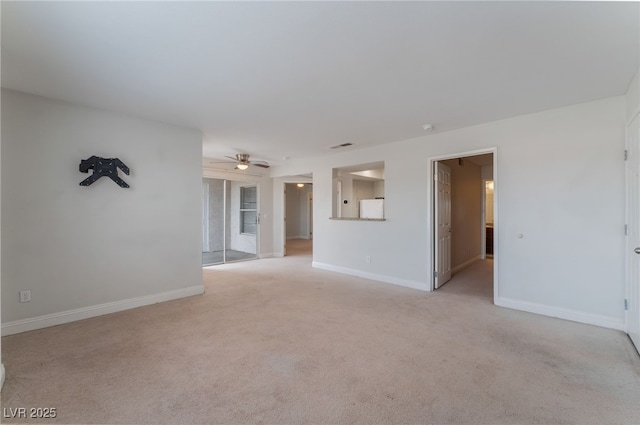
<point>442,249</point>
<point>633,245</point>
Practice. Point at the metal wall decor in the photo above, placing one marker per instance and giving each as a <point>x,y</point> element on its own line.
<point>103,167</point>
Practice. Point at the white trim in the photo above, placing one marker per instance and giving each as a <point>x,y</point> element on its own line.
<point>283,189</point>
<point>466,264</point>
<point>629,221</point>
<point>1,376</point>
<point>422,286</point>
<point>562,313</point>
<point>54,319</point>
<point>464,154</point>
<point>267,255</point>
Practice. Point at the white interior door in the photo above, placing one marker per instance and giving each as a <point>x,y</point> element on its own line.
<point>442,247</point>
<point>633,245</point>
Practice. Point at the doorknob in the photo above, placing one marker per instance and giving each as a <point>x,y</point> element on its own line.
<point>637,250</point>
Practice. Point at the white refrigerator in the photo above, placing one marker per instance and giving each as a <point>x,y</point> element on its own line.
<point>372,208</point>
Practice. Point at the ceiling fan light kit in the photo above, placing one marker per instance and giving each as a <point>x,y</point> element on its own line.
<point>242,162</point>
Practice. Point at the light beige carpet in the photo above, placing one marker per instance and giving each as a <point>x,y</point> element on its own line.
<point>274,341</point>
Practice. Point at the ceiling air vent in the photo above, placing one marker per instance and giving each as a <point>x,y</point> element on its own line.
<point>344,145</point>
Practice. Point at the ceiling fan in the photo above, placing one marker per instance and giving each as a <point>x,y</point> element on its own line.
<point>242,162</point>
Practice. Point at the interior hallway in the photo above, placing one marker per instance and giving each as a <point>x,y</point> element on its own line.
<point>276,341</point>
<point>475,280</point>
<point>300,248</point>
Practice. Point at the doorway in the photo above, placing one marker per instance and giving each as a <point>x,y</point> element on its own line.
<point>298,218</point>
<point>229,221</point>
<point>464,223</point>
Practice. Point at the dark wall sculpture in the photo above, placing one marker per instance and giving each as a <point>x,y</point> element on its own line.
<point>103,167</point>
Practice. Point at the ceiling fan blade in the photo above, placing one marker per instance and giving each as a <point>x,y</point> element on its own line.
<point>232,158</point>
<point>260,165</point>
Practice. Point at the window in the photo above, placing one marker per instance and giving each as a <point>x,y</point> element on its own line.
<point>248,210</point>
<point>358,192</point>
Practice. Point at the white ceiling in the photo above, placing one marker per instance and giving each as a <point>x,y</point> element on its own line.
<point>294,78</point>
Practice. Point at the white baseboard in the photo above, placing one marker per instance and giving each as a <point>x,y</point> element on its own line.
<point>1,376</point>
<point>562,313</point>
<point>422,286</point>
<point>266,255</point>
<point>54,319</point>
<point>465,264</point>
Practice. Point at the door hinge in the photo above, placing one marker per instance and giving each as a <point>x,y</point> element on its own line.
<point>435,273</point>
<point>626,230</point>
<point>626,304</point>
<point>626,154</point>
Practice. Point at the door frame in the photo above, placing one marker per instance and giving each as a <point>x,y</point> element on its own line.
<point>228,177</point>
<point>281,216</point>
<point>632,222</point>
<point>310,212</point>
<point>431,193</point>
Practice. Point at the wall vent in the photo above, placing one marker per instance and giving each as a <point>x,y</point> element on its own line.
<point>344,145</point>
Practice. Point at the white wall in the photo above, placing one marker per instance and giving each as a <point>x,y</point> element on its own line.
<point>633,97</point>
<point>559,181</point>
<point>84,251</point>
<point>378,189</point>
<point>350,209</point>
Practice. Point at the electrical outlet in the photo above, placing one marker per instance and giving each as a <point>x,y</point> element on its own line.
<point>25,296</point>
<point>367,259</point>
